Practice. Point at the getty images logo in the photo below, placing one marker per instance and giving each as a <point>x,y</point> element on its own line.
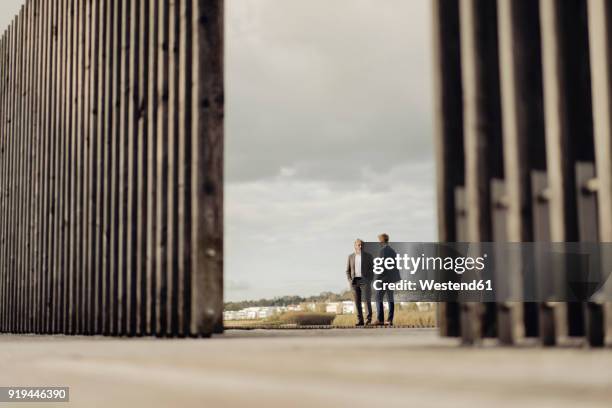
<point>413,264</point>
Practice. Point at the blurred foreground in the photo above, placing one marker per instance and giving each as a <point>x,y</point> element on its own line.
<point>349,367</point>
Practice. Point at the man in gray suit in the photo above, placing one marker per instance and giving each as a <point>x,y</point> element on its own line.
<point>359,272</point>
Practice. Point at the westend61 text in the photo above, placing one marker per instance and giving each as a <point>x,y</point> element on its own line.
<point>431,285</point>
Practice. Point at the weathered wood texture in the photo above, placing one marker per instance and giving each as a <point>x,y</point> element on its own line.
<point>111,168</point>
<point>482,139</point>
<point>523,138</point>
<point>534,81</point>
<point>599,316</point>
<point>448,135</point>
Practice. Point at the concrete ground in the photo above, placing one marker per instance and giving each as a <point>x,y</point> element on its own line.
<point>309,368</point>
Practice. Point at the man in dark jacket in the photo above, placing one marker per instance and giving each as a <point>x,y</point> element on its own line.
<point>388,276</point>
<point>359,272</point>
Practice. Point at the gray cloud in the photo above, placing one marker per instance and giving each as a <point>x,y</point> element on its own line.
<point>8,10</point>
<point>327,86</point>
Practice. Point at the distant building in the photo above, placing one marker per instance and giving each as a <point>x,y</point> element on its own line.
<point>348,307</point>
<point>333,307</point>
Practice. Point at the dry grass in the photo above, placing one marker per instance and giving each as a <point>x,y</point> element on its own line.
<point>404,318</point>
<point>229,324</point>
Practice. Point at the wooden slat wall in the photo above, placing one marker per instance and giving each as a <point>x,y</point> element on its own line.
<point>555,105</point>
<point>111,168</point>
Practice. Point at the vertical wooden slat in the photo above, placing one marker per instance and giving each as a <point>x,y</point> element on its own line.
<point>3,172</point>
<point>110,303</point>
<point>172,146</point>
<point>162,167</point>
<point>114,133</point>
<point>86,134</point>
<point>29,156</point>
<point>132,178</point>
<point>558,117</point>
<point>69,142</point>
<point>600,37</point>
<point>3,67</point>
<point>184,161</point>
<point>523,127</point>
<point>17,189</point>
<point>448,132</point>
<point>25,187</point>
<point>482,132</point>
<point>93,262</point>
<point>59,227</point>
<point>15,214</point>
<point>75,165</point>
<point>9,153</point>
<point>152,170</point>
<point>4,151</point>
<point>99,171</point>
<point>207,164</point>
<point>17,197</point>
<point>568,118</point>
<point>600,31</point>
<point>141,202</point>
<point>36,170</point>
<point>12,146</point>
<point>66,171</point>
<point>45,170</point>
<point>81,165</point>
<point>21,181</point>
<point>10,140</point>
<point>123,164</point>
<point>53,235</point>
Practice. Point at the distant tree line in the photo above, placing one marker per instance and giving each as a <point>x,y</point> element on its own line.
<point>289,300</point>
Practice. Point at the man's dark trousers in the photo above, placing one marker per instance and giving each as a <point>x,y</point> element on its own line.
<point>380,309</point>
<point>362,292</point>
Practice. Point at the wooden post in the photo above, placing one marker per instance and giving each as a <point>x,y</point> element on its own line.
<point>448,134</point>
<point>207,164</point>
<point>482,136</point>
<point>586,196</point>
<point>523,131</point>
<point>568,118</point>
<point>600,37</point>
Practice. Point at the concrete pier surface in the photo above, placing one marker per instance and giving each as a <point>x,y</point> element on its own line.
<point>309,368</point>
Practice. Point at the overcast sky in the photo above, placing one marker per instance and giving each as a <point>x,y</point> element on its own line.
<point>329,137</point>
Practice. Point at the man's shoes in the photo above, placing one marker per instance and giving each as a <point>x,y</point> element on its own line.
<point>390,324</point>
<point>368,323</point>
<point>378,323</point>
<point>359,324</point>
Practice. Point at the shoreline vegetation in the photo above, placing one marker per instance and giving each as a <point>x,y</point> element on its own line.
<point>304,312</point>
<point>403,318</point>
<point>289,300</point>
